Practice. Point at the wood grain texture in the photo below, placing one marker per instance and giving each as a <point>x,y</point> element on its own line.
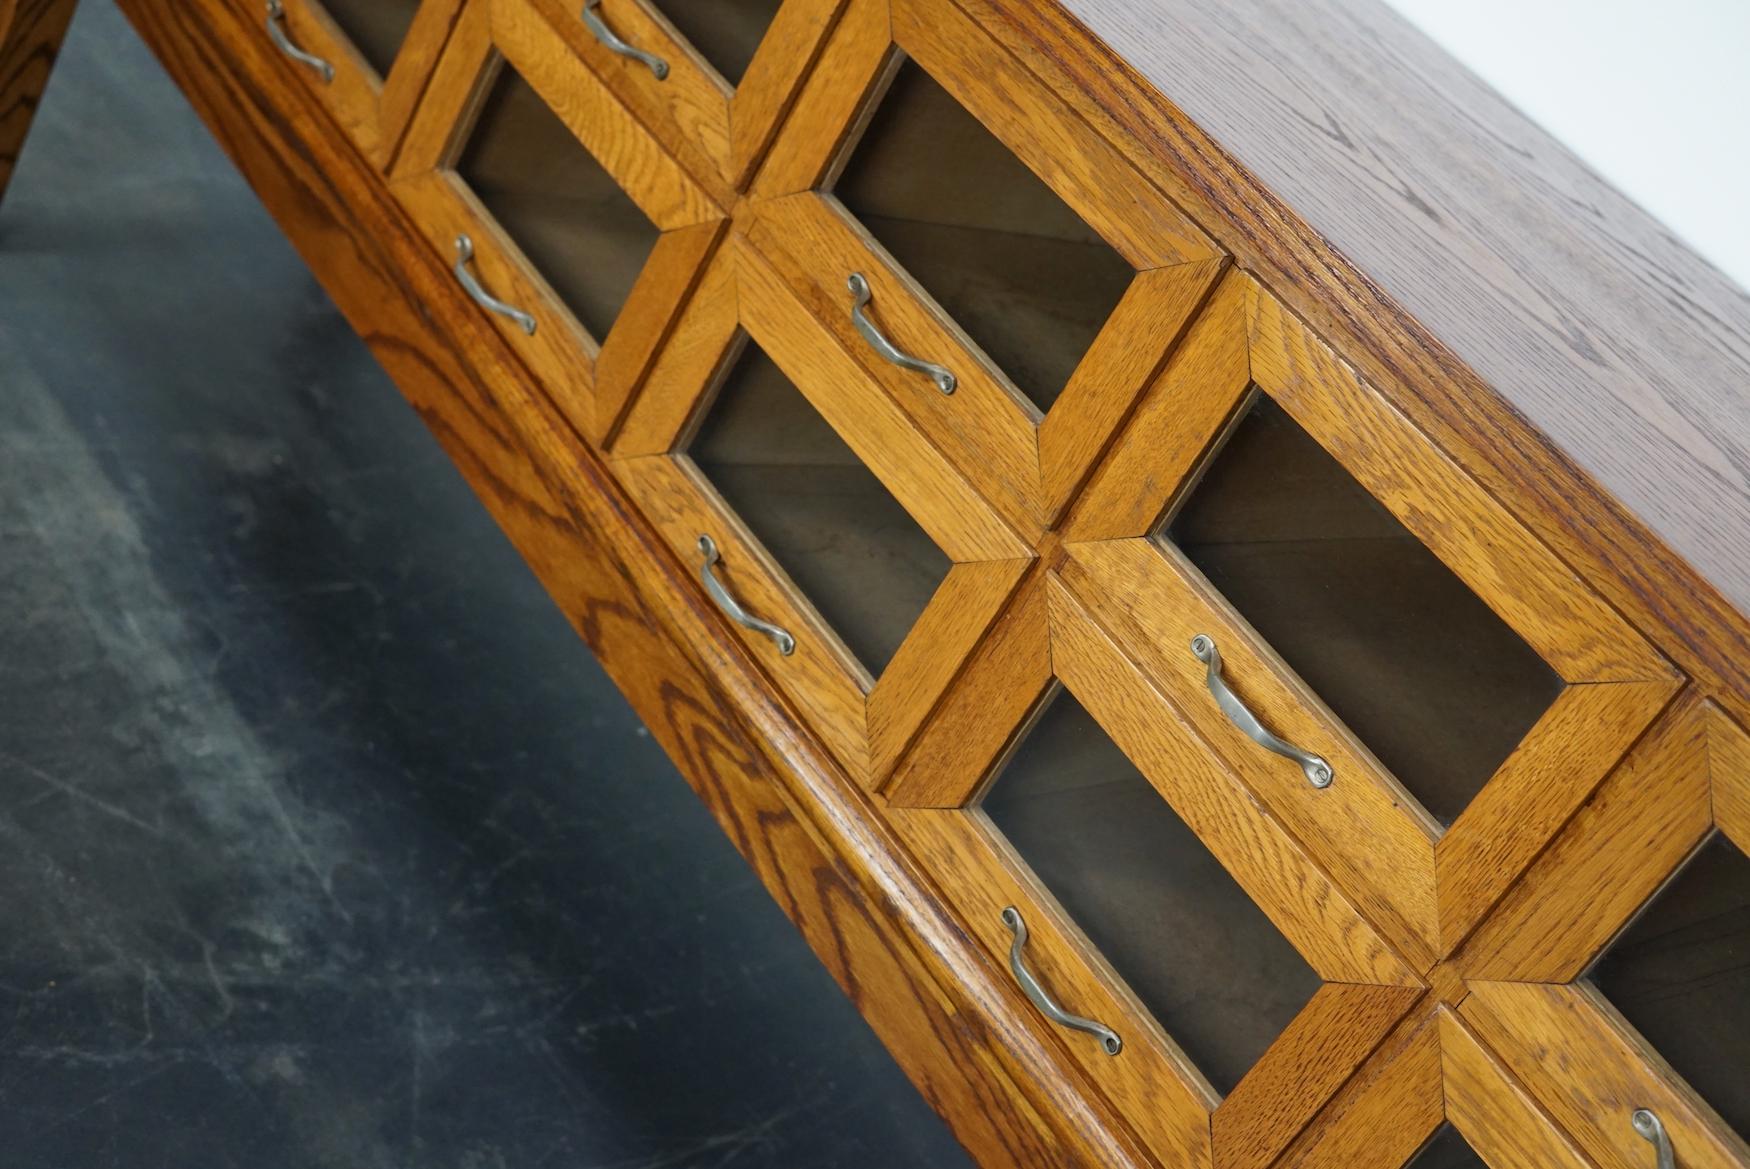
<point>1267,861</point>
<point>1493,1111</point>
<point>1088,172</point>
<point>1629,481</point>
<point>1125,359</point>
<point>855,63</point>
<point>1173,423</point>
<point>1001,683</point>
<point>984,690</point>
<point>821,676</point>
<point>1363,829</point>
<point>1590,1072</point>
<point>1307,1064</point>
<point>1386,1112</point>
<point>1610,858</point>
<point>934,488</point>
<point>1533,793</point>
<point>1729,765</point>
<point>30,38</point>
<point>984,426</point>
<point>658,417</point>
<point>1501,560</point>
<point>957,1027</point>
<point>688,110</point>
<point>1151,1081</point>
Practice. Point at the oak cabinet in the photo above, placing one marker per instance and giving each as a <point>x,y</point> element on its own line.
<point>1201,721</point>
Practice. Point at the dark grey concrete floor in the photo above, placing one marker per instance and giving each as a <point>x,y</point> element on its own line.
<point>323,842</point>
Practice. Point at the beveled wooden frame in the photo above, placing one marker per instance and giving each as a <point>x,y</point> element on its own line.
<point>1368,985</point>
<point>1027,464</point>
<point>1588,1066</point>
<point>867,721</point>
<point>719,130</point>
<point>1435,1069</point>
<point>374,110</point>
<point>592,379</point>
<point>1428,889</point>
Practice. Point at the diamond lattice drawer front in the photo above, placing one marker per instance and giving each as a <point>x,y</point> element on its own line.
<point>565,221</point>
<point>712,79</point>
<point>852,558</point>
<point>1201,557</point>
<point>937,193</point>
<point>366,60</point>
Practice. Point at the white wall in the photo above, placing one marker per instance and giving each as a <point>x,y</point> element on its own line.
<point>1654,96</point>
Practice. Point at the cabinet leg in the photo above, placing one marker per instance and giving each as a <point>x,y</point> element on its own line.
<point>30,38</point>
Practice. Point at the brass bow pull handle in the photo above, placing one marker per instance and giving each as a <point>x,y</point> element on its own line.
<point>1109,1040</point>
<point>860,294</point>
<point>470,285</point>
<point>1318,772</point>
<point>1652,1130</point>
<point>608,37</point>
<point>732,607</point>
<point>276,32</point>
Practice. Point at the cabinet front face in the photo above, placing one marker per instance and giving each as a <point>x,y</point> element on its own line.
<point>565,221</point>
<point>997,267</point>
<point>368,60</point>
<point>1221,986</point>
<point>1399,669</point>
<point>711,78</point>
<point>850,557</point>
<point>1615,978</point>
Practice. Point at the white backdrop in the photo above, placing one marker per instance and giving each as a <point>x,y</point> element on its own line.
<point>1654,96</point>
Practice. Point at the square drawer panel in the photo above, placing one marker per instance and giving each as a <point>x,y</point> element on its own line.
<point>368,60</point>
<point>853,561</point>
<point>711,78</point>
<point>1405,675</point>
<point>1615,977</point>
<point>1221,986</point>
<point>576,233</point>
<point>995,264</point>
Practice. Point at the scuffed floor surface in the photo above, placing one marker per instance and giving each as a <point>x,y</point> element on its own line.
<point>323,842</point>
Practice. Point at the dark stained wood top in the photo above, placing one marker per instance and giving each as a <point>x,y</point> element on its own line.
<point>1583,313</point>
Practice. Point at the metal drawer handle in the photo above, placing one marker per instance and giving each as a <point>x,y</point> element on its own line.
<point>1653,1131</point>
<point>1109,1040</point>
<point>606,36</point>
<point>860,293</point>
<point>276,32</point>
<point>1318,772</point>
<point>732,607</point>
<point>465,253</point>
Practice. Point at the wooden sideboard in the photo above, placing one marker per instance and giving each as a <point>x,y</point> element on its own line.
<point>1202,559</point>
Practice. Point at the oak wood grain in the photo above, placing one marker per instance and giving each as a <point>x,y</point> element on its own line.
<point>1386,1112</point>
<point>1003,680</point>
<point>1268,862</point>
<point>1318,1053</point>
<point>30,38</point>
<point>1576,314</point>
<point>1493,1111</point>
<point>954,1023</point>
<point>1729,765</point>
<point>1590,1071</point>
<point>1363,829</point>
<point>1620,846</point>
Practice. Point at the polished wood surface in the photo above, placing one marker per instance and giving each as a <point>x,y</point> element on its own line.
<point>1426,981</point>
<point>1364,173</point>
<point>796,816</point>
<point>30,37</point>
